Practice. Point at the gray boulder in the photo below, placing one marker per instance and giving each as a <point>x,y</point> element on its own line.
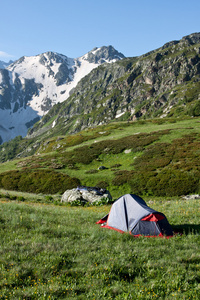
<point>191,197</point>
<point>85,194</point>
<point>70,195</point>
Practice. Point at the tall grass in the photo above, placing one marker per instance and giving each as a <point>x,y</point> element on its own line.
<point>55,252</point>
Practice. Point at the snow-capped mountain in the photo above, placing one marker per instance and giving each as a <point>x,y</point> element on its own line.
<point>30,86</point>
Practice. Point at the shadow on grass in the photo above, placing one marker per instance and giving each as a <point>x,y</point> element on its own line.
<point>186,228</point>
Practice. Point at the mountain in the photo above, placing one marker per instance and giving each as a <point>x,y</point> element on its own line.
<point>162,83</point>
<point>30,86</point>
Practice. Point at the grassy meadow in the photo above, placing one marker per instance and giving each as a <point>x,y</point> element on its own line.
<point>59,252</point>
<point>51,250</point>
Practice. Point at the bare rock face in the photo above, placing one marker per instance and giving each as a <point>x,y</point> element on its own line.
<point>85,194</point>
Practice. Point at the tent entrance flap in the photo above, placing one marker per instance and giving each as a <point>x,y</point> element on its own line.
<point>146,228</point>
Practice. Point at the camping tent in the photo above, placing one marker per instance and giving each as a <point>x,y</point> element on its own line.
<point>131,214</point>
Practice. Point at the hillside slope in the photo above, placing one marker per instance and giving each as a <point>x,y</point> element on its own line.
<point>154,157</point>
<point>162,83</point>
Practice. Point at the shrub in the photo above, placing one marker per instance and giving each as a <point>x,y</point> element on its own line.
<point>21,198</point>
<point>122,177</point>
<point>10,180</point>
<point>103,201</point>
<point>116,166</point>
<point>78,203</point>
<point>173,183</point>
<point>37,181</point>
<point>13,197</point>
<point>49,198</point>
<point>195,109</point>
<point>168,169</point>
<point>102,184</point>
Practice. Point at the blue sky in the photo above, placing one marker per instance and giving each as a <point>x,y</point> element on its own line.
<point>133,27</point>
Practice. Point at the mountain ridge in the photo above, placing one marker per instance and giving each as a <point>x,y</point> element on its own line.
<point>30,86</point>
<point>162,83</point>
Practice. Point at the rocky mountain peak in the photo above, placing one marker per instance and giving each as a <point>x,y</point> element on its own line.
<point>51,58</point>
<point>103,54</point>
<point>193,38</point>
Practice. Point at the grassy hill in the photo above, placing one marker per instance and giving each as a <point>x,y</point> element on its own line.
<point>58,252</point>
<point>157,157</point>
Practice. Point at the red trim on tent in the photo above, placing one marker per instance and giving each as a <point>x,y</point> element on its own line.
<point>101,222</point>
<point>138,235</point>
<point>160,235</point>
<point>153,217</point>
<point>113,228</point>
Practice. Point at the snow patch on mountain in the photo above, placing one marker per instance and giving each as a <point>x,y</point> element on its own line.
<point>83,69</point>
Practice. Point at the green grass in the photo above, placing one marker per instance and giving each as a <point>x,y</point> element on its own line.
<point>58,252</point>
<point>10,165</point>
<point>30,197</point>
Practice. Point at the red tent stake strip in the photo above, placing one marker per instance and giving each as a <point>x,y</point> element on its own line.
<point>131,214</point>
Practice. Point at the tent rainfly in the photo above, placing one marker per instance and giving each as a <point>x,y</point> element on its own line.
<point>130,213</point>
